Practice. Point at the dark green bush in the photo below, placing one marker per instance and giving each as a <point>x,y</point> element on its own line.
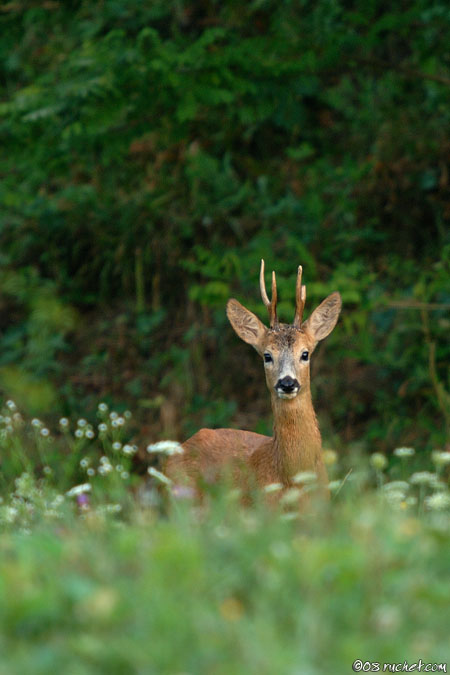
<point>154,152</point>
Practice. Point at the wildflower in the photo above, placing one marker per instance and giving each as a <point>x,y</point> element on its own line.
<point>89,433</point>
<point>438,502</point>
<point>102,427</point>
<point>305,477</point>
<point>81,423</point>
<point>63,422</point>
<point>10,514</point>
<point>334,485</point>
<point>47,470</point>
<point>102,407</point>
<point>272,487</point>
<point>178,491</point>
<point>36,423</point>
<point>127,414</point>
<point>160,476</point>
<point>83,500</point>
<point>129,449</point>
<point>437,484</point>
<point>166,447</point>
<point>90,471</point>
<point>113,415</point>
<point>45,432</point>
<point>84,463</point>
<point>79,489</point>
<point>378,461</point>
<point>440,458</point>
<point>25,485</point>
<point>394,497</point>
<point>11,405</point>
<point>404,452</point>
<point>125,475</point>
<point>330,457</point>
<point>104,469</point>
<point>291,496</point>
<point>422,478</point>
<point>79,433</point>
<point>116,445</point>
<point>120,421</point>
<point>394,485</point>
<point>119,468</point>
<point>113,508</point>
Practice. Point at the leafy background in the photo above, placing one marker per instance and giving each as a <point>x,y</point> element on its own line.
<point>153,152</point>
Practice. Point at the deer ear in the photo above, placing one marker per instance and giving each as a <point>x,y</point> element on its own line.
<point>324,318</point>
<point>246,324</point>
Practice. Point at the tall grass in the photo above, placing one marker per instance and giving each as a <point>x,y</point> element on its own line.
<point>108,573</point>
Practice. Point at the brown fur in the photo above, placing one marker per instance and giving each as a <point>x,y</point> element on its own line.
<point>296,443</point>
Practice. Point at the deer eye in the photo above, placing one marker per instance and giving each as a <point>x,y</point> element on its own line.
<point>304,356</point>
<point>268,357</point>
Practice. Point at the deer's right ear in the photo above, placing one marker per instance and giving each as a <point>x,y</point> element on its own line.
<point>246,324</point>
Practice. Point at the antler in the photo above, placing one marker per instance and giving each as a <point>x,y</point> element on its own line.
<point>270,304</point>
<point>300,298</point>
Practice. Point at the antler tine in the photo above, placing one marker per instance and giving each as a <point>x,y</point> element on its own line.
<point>262,286</point>
<point>300,298</point>
<point>270,304</point>
<point>274,318</point>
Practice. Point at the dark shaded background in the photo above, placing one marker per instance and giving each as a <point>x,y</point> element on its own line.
<point>153,152</point>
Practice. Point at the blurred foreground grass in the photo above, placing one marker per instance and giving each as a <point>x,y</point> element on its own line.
<point>103,575</point>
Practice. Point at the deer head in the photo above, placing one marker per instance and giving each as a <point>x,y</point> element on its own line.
<point>285,348</point>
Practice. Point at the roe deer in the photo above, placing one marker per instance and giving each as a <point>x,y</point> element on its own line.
<point>296,443</point>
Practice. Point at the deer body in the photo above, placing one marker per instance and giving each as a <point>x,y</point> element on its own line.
<point>296,443</point>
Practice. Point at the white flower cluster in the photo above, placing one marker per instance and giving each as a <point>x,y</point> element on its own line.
<point>79,490</point>
<point>166,448</point>
<point>378,461</point>
<point>440,458</point>
<point>439,501</point>
<point>404,452</point>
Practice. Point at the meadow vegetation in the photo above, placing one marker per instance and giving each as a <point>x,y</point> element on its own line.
<point>104,571</point>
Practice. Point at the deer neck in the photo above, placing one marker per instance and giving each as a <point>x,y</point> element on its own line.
<point>296,437</point>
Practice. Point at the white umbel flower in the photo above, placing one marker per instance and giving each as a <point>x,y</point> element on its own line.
<point>79,489</point>
<point>438,502</point>
<point>166,448</point>
<point>404,452</point>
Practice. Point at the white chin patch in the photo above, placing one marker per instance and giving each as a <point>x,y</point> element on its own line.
<point>282,394</point>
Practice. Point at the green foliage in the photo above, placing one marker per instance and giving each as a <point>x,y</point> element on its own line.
<point>154,152</point>
<point>94,579</point>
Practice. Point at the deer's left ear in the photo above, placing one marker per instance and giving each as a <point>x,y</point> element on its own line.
<point>324,318</point>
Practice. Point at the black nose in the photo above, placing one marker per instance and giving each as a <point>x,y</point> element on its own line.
<point>287,384</point>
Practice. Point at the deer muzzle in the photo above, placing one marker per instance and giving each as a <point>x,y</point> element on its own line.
<point>287,387</point>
